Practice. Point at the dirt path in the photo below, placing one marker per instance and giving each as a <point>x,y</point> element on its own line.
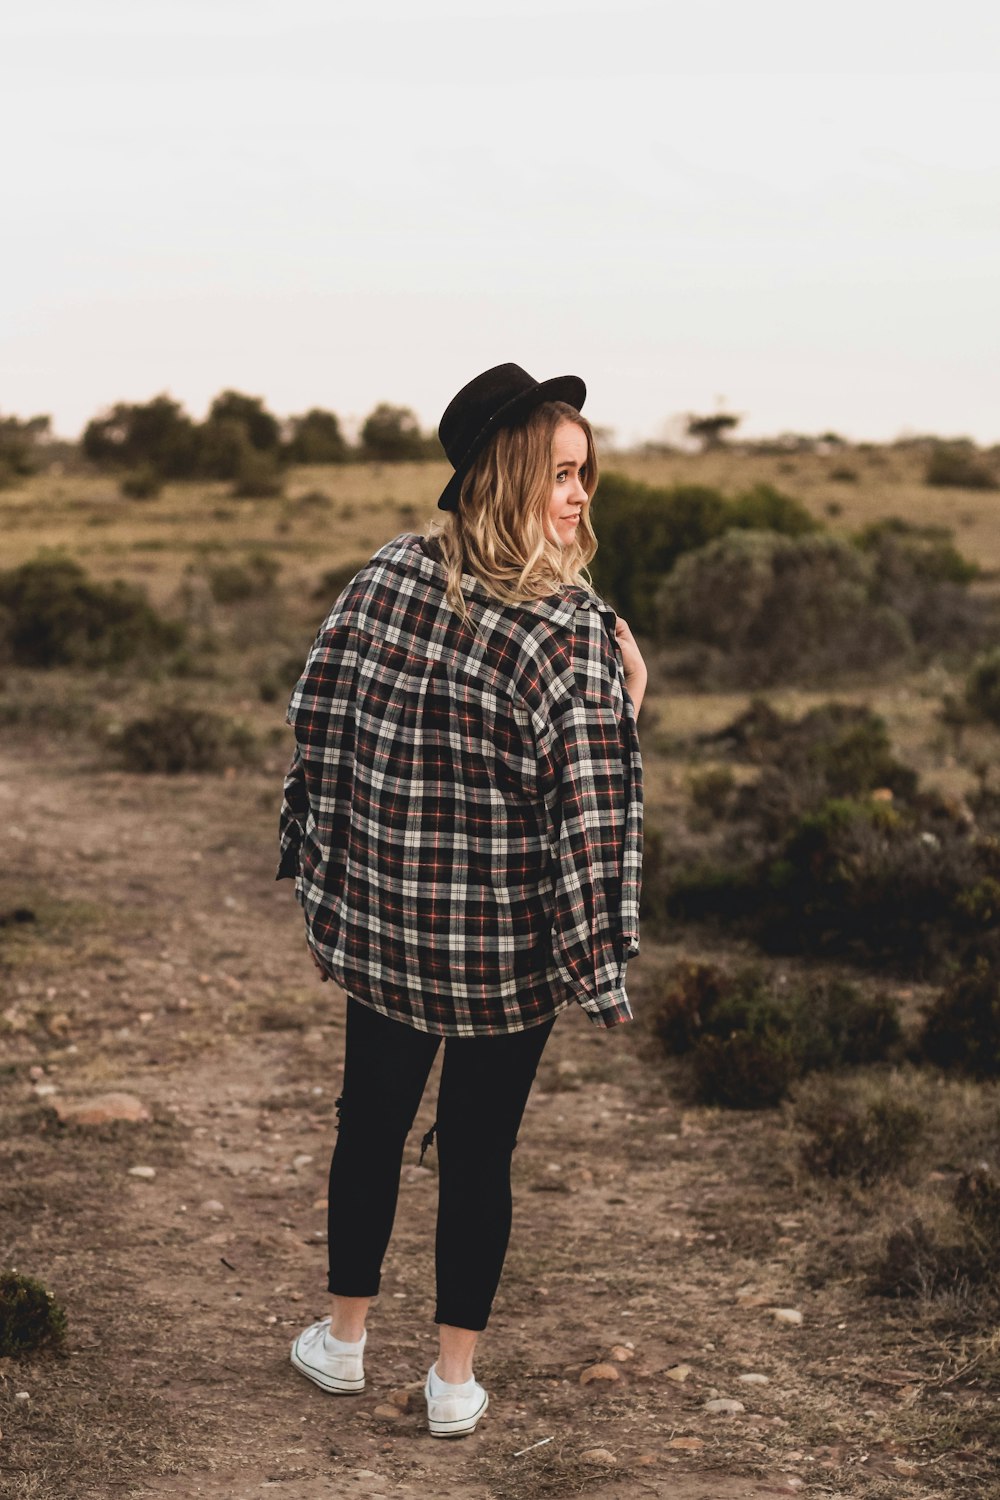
<point>168,964</point>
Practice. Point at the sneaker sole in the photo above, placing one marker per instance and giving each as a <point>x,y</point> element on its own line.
<point>461,1427</point>
<point>330,1383</point>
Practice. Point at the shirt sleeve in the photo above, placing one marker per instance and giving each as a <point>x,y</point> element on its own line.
<point>589,809</point>
<point>294,807</point>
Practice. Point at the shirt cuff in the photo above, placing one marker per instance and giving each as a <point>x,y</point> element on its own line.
<point>610,1008</point>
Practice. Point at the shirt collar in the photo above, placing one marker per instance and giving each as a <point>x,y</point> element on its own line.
<point>559,609</point>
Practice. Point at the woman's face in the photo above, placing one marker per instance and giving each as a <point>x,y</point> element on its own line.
<point>569,470</point>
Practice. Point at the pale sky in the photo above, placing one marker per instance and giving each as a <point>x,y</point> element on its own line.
<point>791,208</point>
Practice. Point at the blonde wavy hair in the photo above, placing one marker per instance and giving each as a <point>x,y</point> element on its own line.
<point>498,532</point>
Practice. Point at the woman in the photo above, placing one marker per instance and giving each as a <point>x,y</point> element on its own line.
<point>463,820</point>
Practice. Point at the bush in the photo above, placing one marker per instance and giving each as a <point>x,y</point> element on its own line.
<point>317,439</point>
<point>749,1041</point>
<point>957,465</point>
<point>918,1263</point>
<point>156,434</point>
<point>982,686</point>
<point>391,434</point>
<point>231,583</point>
<point>961,1028</point>
<point>777,608</point>
<point>764,508</point>
<point>848,1133</point>
<point>180,737</point>
<point>142,484</point>
<point>54,615</point>
<point>257,476</point>
<point>30,1317</point>
<point>712,790</point>
<point>643,532</point>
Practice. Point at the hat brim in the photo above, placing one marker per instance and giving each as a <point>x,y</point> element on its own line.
<point>567,388</point>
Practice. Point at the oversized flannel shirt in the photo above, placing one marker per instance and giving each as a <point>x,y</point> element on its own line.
<point>463,816</point>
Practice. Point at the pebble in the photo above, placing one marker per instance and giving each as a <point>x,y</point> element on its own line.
<point>690,1444</point>
<point>390,1413</point>
<point>755,1380</point>
<point>725,1404</point>
<point>21,1396</point>
<point>213,1206</point>
<point>679,1373</point>
<point>400,1399</point>
<point>598,1456</point>
<point>146,1173</point>
<point>301,1161</point>
<point>599,1372</point>
<point>622,1353</point>
<point>786,1315</point>
<point>102,1109</point>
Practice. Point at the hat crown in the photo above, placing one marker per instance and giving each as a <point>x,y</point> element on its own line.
<point>477,403</point>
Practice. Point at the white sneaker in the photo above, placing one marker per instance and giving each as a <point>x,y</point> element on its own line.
<point>453,1410</point>
<point>332,1364</point>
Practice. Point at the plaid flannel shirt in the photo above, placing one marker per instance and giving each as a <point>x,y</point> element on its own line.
<point>463,818</point>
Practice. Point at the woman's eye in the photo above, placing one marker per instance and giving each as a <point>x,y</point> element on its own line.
<point>561,475</point>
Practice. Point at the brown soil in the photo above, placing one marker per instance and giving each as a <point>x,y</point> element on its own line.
<point>166,962</point>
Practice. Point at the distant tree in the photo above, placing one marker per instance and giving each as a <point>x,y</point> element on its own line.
<point>157,434</point>
<point>19,442</point>
<point>711,431</point>
<point>316,438</point>
<point>391,434</point>
<point>262,429</point>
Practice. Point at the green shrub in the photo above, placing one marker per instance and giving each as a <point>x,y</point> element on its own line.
<point>958,465</point>
<point>231,583</point>
<point>961,1027</point>
<point>749,1039</point>
<point>179,737</point>
<point>30,1317</point>
<point>54,615</point>
<point>747,1070</point>
<point>778,608</point>
<point>764,508</point>
<point>982,687</point>
<point>712,789</point>
<point>917,1262</point>
<point>643,531</point>
<point>143,483</point>
<point>258,475</point>
<point>847,1133</point>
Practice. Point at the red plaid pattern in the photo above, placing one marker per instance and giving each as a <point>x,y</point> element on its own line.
<point>463,817</point>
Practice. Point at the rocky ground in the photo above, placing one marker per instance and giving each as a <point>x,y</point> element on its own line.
<point>661,1329</point>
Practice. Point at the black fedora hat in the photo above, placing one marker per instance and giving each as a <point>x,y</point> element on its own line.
<point>500,397</point>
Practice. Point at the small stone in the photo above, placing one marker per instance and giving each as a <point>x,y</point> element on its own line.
<point>390,1413</point>
<point>45,1090</point>
<point>213,1206</point>
<point>146,1173</point>
<point>679,1373</point>
<point>689,1444</point>
<point>622,1353</point>
<point>400,1399</point>
<point>755,1379</point>
<point>320,1203</point>
<point>301,1161</point>
<point>786,1315</point>
<point>598,1456</point>
<point>725,1404</point>
<point>102,1110</point>
<point>599,1372</point>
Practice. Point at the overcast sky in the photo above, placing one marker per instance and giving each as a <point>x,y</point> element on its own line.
<point>791,208</point>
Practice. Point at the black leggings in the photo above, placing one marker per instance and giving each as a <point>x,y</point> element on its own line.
<point>485,1082</point>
